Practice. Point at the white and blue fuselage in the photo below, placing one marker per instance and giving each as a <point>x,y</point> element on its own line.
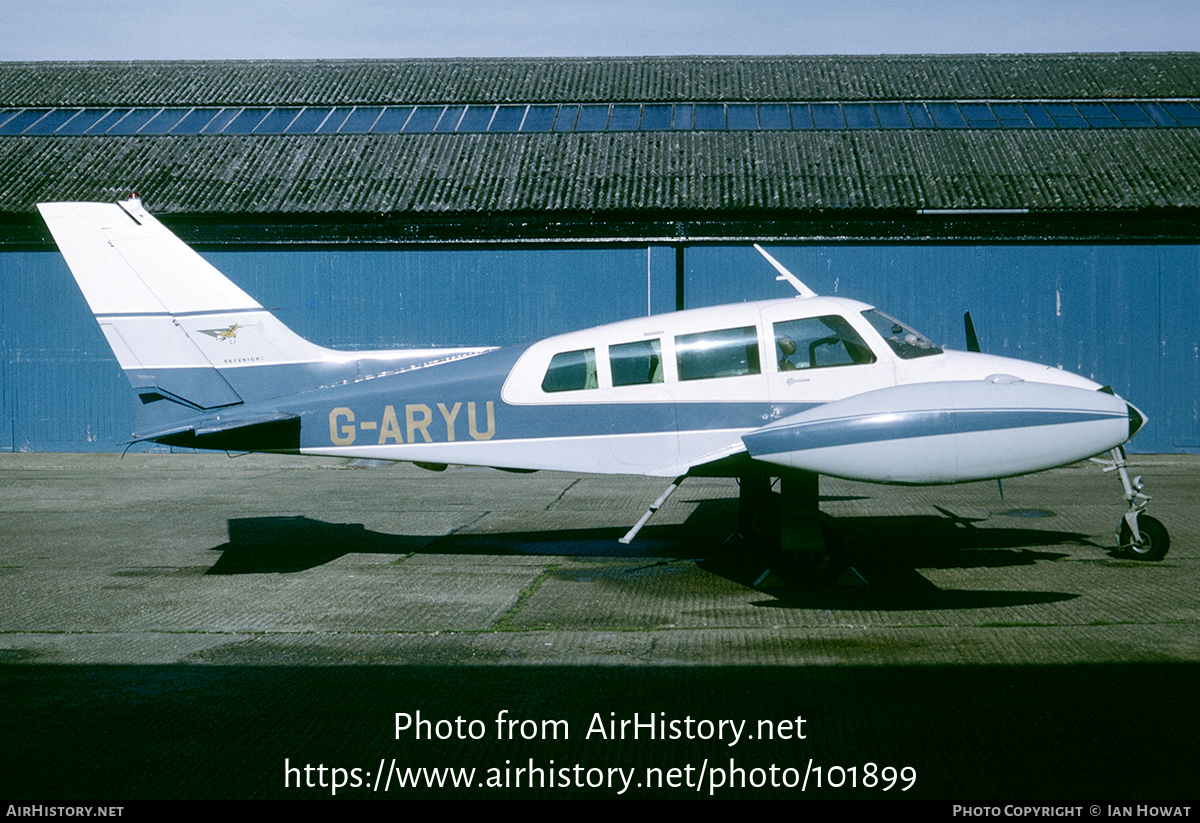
<point>817,384</point>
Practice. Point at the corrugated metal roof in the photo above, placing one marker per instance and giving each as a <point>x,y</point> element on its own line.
<point>646,79</point>
<point>652,174</point>
<point>480,173</point>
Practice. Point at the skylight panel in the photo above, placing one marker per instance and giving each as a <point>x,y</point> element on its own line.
<point>309,120</point>
<point>625,117</point>
<point>50,123</point>
<point>476,118</point>
<point>946,115</point>
<point>335,120</point>
<point>194,121</point>
<point>685,117</point>
<point>919,115</point>
<point>656,117</point>
<point>220,121</point>
<point>539,118</point>
<point>1098,115</point>
<point>23,120</point>
<point>247,121</point>
<point>742,116</point>
<point>424,119</point>
<point>391,120</point>
<point>566,118</point>
<point>592,118</point>
<point>1066,116</point>
<point>892,116</point>
<point>133,121</point>
<point>277,120</point>
<point>1185,114</point>
<point>164,121</point>
<point>1131,115</point>
<point>774,116</point>
<point>1038,115</point>
<point>1012,116</point>
<point>507,119</point>
<point>710,117</point>
<point>361,120</point>
<point>1159,114</point>
<point>801,116</point>
<point>979,116</point>
<point>827,116</point>
<point>449,120</point>
<point>860,116</point>
<point>81,122</point>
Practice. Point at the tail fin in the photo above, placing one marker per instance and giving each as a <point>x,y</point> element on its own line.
<point>182,331</point>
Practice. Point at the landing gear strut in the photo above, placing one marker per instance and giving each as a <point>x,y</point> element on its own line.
<point>786,526</point>
<point>1138,534</point>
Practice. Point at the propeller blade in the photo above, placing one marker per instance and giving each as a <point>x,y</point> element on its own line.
<point>972,339</point>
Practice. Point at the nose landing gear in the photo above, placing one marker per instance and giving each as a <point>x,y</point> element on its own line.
<point>1139,535</point>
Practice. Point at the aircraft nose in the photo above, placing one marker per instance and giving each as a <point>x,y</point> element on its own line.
<point>1136,419</point>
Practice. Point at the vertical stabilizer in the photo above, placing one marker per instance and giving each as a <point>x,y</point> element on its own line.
<point>185,333</point>
<point>136,276</point>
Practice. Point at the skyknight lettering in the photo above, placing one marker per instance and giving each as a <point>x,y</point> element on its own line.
<point>420,424</point>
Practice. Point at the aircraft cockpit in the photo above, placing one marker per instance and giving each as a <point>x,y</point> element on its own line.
<point>905,341</point>
<point>819,342</point>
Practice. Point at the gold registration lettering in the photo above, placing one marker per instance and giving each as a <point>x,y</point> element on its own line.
<point>450,416</point>
<point>391,427</point>
<point>418,424</point>
<point>341,434</point>
<point>473,425</point>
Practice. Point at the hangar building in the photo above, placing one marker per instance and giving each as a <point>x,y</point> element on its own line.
<point>495,201</point>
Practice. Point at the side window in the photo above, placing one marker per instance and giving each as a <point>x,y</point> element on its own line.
<point>636,363</point>
<point>571,371</point>
<point>818,342</point>
<point>724,353</point>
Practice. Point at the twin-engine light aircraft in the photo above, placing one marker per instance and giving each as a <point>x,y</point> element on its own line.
<point>791,389</point>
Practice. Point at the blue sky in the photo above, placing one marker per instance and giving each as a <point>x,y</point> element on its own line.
<point>308,29</point>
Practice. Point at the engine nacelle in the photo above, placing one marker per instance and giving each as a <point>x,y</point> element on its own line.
<point>948,432</point>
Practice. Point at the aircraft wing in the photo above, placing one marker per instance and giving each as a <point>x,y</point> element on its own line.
<point>715,463</point>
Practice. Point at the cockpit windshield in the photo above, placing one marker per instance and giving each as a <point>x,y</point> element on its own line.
<point>905,341</point>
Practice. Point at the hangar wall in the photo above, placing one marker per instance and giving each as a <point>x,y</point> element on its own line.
<point>1125,315</point>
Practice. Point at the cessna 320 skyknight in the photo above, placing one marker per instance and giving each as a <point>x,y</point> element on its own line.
<point>790,388</point>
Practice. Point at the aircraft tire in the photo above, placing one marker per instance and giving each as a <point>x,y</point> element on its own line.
<point>1155,539</point>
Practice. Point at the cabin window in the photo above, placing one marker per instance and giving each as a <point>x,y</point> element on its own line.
<point>819,342</point>
<point>723,353</point>
<point>571,371</point>
<point>905,341</point>
<point>636,363</point>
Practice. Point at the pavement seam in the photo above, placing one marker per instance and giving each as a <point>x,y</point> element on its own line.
<point>504,623</point>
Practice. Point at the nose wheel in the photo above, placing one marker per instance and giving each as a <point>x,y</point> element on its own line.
<point>1139,535</point>
<point>1151,542</point>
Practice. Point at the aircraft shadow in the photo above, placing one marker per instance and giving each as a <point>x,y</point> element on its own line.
<point>885,551</point>
<point>876,561</point>
<point>258,545</point>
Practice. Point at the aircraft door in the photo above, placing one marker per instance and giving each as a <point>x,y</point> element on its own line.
<point>819,357</point>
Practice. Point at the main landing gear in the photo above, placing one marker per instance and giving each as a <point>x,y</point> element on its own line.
<point>1138,534</point>
<point>785,529</point>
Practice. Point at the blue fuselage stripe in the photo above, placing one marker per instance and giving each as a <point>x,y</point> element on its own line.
<point>874,428</point>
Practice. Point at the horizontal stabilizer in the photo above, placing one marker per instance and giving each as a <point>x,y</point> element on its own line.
<point>266,431</point>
